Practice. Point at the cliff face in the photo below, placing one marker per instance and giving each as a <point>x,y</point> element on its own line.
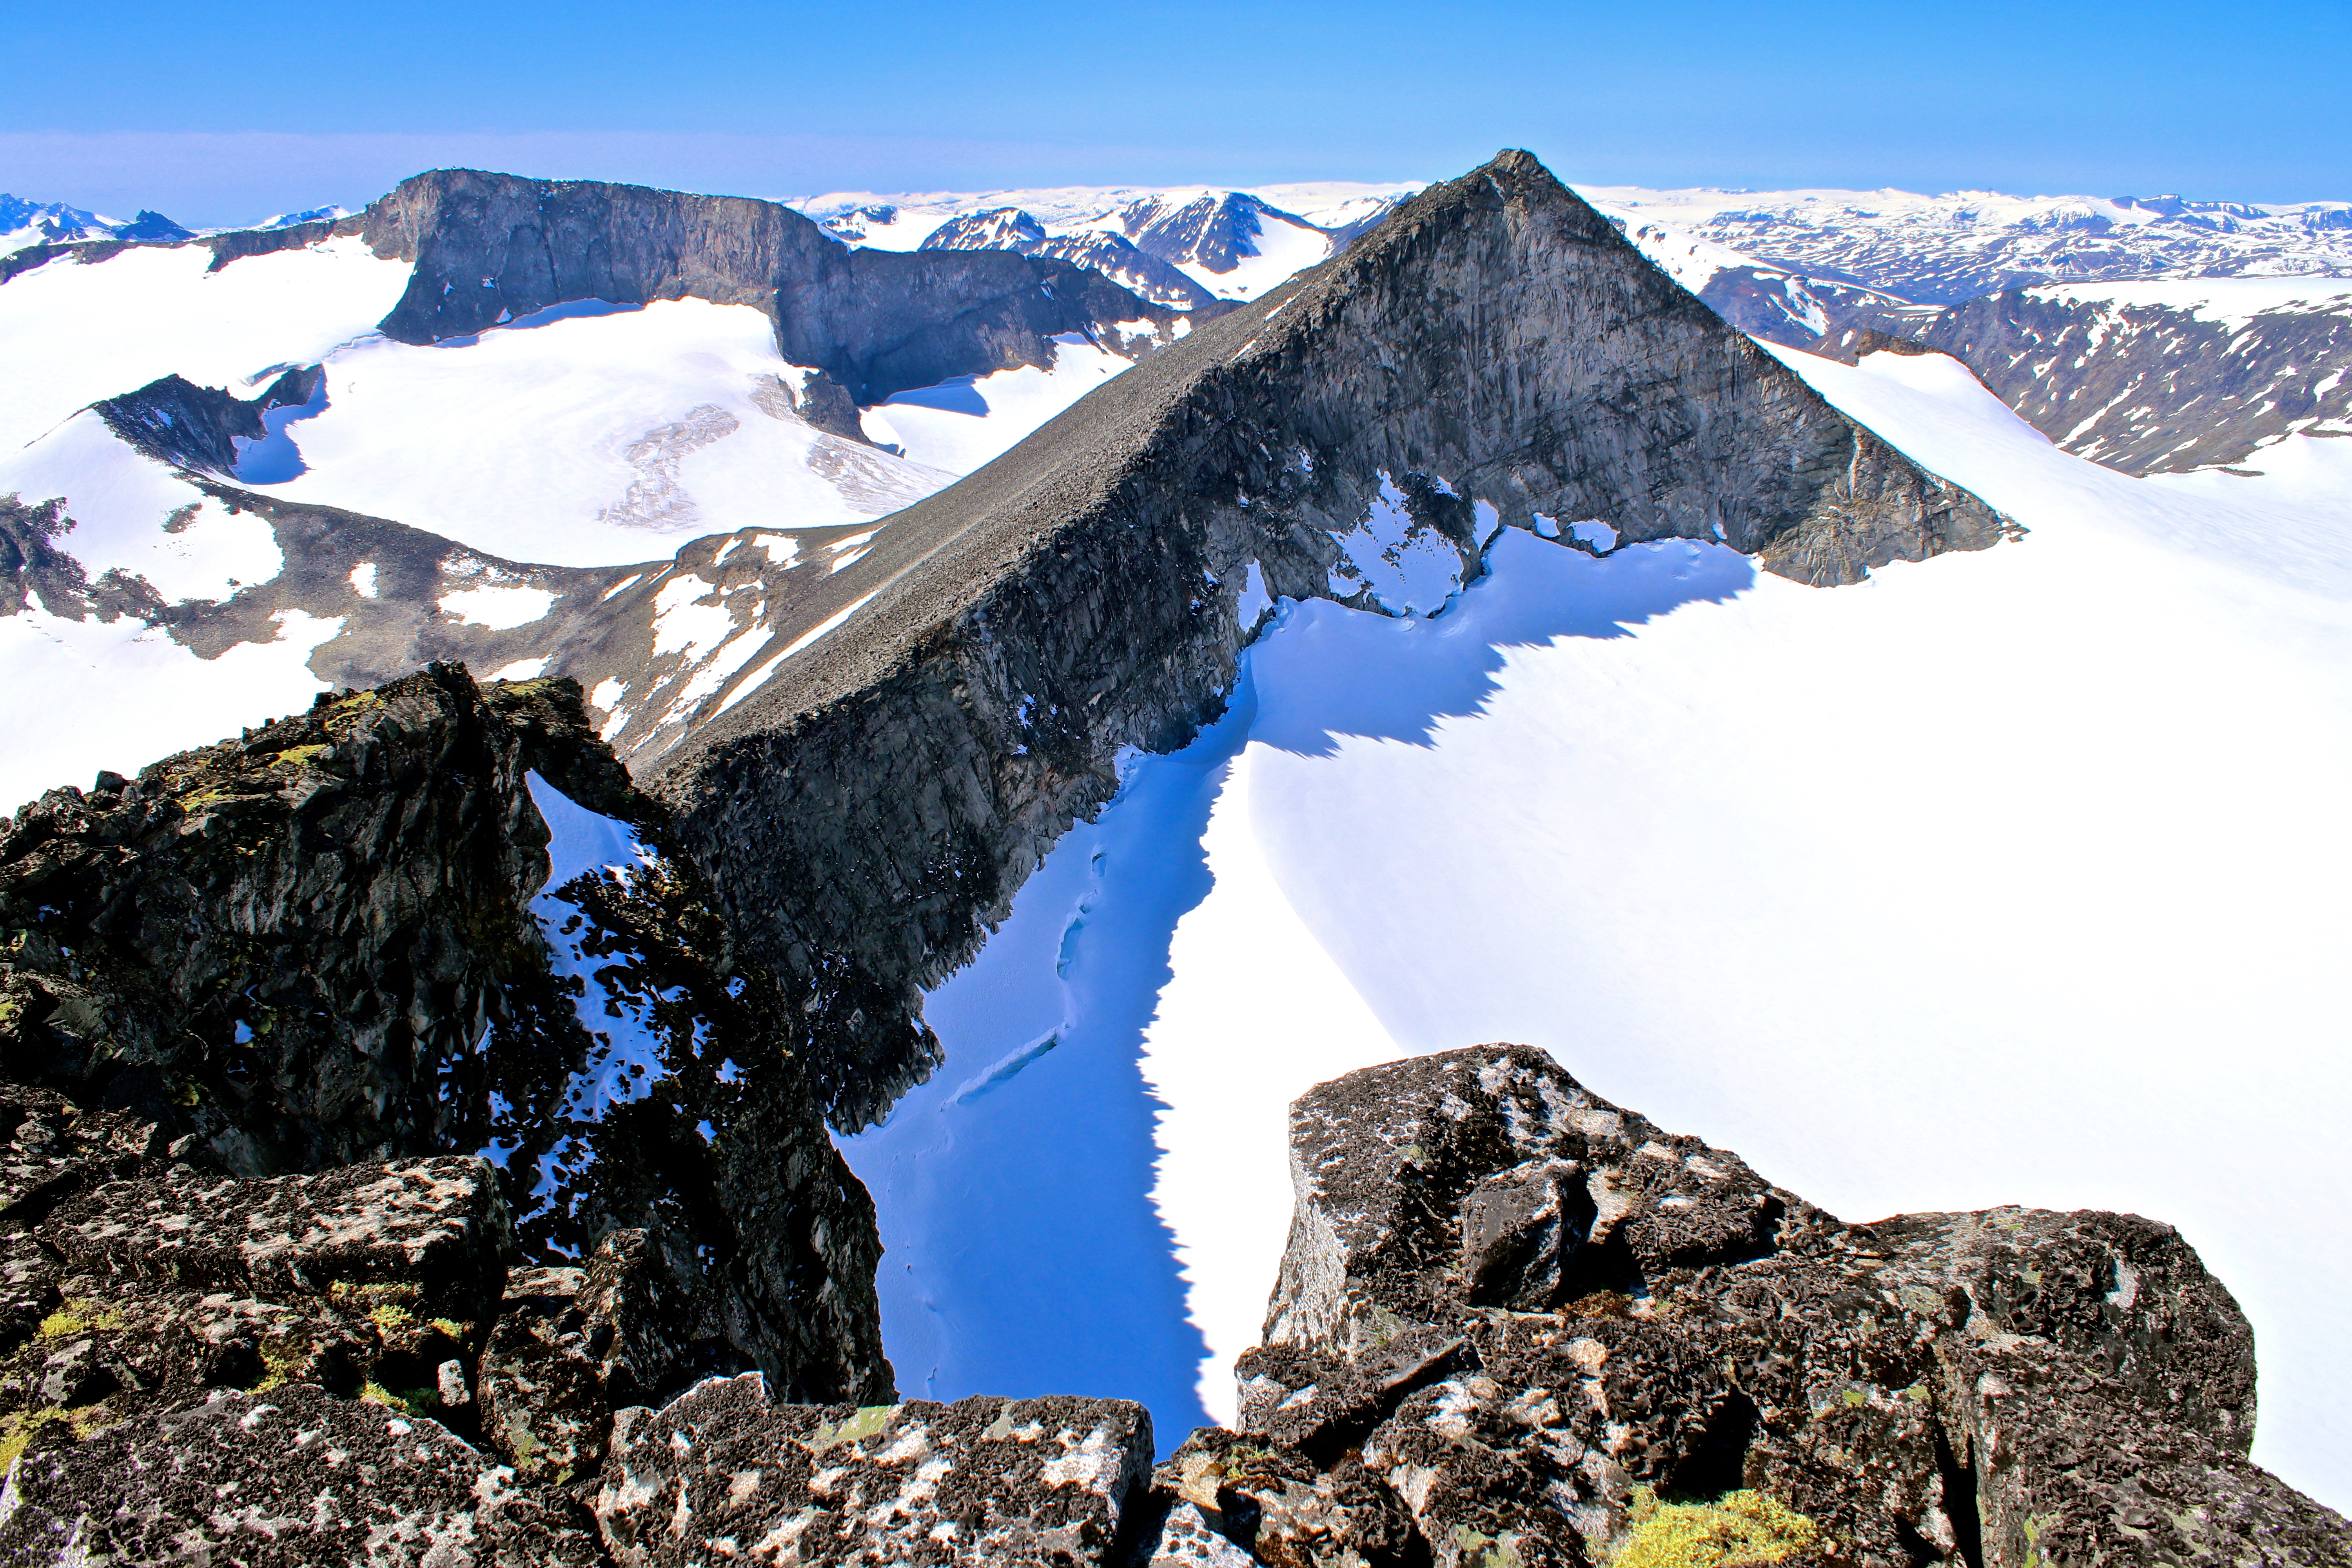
<point>328,942</point>
<point>1494,352</point>
<point>492,248</point>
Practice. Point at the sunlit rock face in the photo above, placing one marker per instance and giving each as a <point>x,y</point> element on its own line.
<point>492,248</point>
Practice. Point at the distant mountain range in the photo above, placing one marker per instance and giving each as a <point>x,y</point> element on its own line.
<point>26,223</point>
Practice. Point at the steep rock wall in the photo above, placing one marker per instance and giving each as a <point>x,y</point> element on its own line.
<point>870,811</point>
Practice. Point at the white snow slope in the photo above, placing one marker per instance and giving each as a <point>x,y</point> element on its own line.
<point>2013,877</point>
<point>585,435</point>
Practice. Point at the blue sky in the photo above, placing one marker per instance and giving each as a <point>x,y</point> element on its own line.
<point>222,114</point>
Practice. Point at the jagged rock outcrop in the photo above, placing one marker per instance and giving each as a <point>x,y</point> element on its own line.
<point>489,248</point>
<point>2148,388</point>
<point>1687,1354</point>
<point>1493,351</point>
<point>327,943</point>
<point>184,425</point>
<point>1687,1346</point>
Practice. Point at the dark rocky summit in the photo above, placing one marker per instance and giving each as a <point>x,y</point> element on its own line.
<point>2146,388</point>
<point>1495,348</point>
<point>183,425</point>
<point>325,946</point>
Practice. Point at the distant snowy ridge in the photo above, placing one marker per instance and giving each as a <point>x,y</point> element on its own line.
<point>2156,377</point>
<point>23,223</point>
<point>1939,250</point>
<point>1225,244</point>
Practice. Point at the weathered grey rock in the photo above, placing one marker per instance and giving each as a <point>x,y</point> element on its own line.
<point>2067,1473</point>
<point>293,1476</point>
<point>1322,1403</point>
<point>2149,389</point>
<point>722,1471</point>
<point>1185,1539</point>
<point>867,816</point>
<point>573,1345</point>
<point>435,1227</point>
<point>1283,1507</point>
<point>544,1408</point>
<point>137,1296</point>
<point>1385,1164</point>
<point>1520,1233</point>
<point>2000,1388</point>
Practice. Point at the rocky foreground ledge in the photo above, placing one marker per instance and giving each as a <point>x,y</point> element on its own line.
<point>1515,1325</point>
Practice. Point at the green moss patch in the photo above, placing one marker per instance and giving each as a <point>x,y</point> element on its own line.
<point>1734,1531</point>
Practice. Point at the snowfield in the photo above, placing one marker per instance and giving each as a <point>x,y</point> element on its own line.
<point>964,425</point>
<point>96,329</point>
<point>586,435</point>
<point>2013,877</point>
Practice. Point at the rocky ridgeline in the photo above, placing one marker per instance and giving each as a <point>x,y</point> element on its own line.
<point>953,697</point>
<point>316,947</point>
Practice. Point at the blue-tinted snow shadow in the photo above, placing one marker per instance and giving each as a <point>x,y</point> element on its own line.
<point>1340,672</point>
<point>1022,1253</point>
<point>275,459</point>
<point>569,310</point>
<point>957,396</point>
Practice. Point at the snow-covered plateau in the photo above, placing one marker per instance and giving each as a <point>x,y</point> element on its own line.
<point>2003,878</point>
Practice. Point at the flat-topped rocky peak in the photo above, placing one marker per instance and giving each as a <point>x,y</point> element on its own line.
<point>490,249</point>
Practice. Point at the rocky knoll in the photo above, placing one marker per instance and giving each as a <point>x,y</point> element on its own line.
<point>327,943</point>
<point>2144,386</point>
<point>1495,352</point>
<point>1518,1324</point>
